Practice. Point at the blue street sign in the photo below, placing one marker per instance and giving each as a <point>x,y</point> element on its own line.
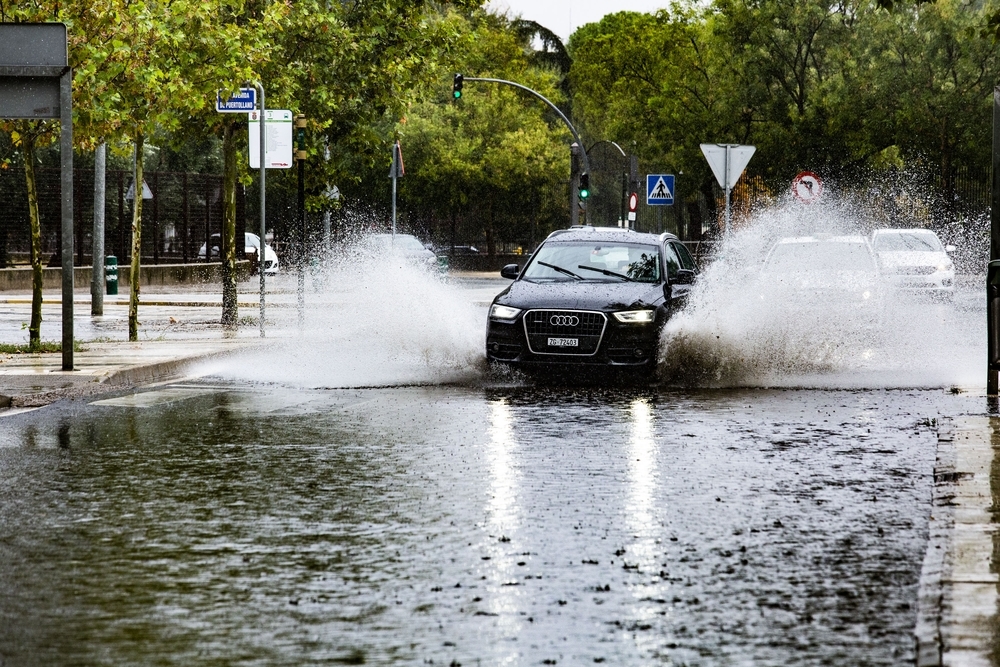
<point>659,189</point>
<point>242,102</point>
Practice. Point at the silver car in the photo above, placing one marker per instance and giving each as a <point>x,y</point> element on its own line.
<point>915,261</point>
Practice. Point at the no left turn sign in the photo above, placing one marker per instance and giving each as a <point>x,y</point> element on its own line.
<point>807,187</point>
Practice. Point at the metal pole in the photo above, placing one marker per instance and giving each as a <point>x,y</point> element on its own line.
<point>992,290</point>
<point>574,184</point>
<point>395,169</point>
<point>301,287</point>
<point>97,250</point>
<point>728,189</point>
<point>66,158</point>
<point>261,251</point>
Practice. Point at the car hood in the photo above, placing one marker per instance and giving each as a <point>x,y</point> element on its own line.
<point>826,281</point>
<point>581,295</point>
<point>912,258</point>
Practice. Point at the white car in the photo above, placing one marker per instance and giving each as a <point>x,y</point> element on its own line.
<point>408,247</point>
<point>914,260</point>
<point>833,280</point>
<point>251,245</point>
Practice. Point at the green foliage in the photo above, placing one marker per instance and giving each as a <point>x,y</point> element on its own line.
<point>495,162</point>
<point>814,84</point>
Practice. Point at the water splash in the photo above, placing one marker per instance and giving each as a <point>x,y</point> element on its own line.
<point>739,331</point>
<point>373,318</point>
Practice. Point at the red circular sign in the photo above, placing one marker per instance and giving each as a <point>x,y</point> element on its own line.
<point>807,187</point>
<point>633,201</point>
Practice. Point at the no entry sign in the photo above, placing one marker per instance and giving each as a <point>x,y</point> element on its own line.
<point>807,187</point>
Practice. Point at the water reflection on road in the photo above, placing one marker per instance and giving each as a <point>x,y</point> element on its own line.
<point>207,524</point>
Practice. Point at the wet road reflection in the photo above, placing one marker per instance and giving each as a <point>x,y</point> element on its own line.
<point>207,524</point>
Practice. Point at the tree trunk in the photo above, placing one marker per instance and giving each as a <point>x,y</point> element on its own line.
<point>133,278</point>
<point>230,313</point>
<point>35,326</point>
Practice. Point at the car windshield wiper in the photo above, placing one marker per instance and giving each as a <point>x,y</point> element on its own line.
<point>560,270</point>
<point>607,273</point>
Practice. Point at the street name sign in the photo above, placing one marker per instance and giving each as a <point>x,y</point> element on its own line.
<point>807,187</point>
<point>659,189</point>
<point>278,139</point>
<point>244,101</point>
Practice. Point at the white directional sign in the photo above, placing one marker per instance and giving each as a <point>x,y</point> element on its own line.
<point>737,157</point>
<point>659,189</point>
<point>278,131</point>
<point>807,187</point>
<point>244,101</point>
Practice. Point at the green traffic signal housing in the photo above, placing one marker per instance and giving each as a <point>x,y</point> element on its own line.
<point>584,186</point>
<point>456,86</point>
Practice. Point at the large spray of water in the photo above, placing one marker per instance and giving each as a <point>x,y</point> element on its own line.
<point>739,330</point>
<point>373,318</point>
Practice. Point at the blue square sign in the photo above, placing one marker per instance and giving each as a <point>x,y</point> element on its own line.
<point>659,189</point>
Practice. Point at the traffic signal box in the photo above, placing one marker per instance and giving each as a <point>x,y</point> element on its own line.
<point>456,86</point>
<point>584,186</point>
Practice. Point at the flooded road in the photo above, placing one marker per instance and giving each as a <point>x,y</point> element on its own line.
<point>230,523</point>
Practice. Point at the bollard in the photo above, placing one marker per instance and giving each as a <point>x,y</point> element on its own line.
<point>992,327</point>
<point>111,274</point>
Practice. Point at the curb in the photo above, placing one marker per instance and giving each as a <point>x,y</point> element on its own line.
<point>930,598</point>
<point>957,621</point>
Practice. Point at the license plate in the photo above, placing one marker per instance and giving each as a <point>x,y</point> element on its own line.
<point>564,342</point>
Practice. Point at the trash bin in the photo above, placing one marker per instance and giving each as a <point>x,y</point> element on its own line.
<point>111,274</point>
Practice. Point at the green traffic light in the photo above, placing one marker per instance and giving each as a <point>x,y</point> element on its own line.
<point>584,194</point>
<point>458,94</point>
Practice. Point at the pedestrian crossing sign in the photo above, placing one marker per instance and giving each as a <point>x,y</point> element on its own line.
<point>659,189</point>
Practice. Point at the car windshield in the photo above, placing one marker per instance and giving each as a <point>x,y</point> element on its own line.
<point>594,260</point>
<point>822,256</point>
<point>406,242</point>
<point>908,242</point>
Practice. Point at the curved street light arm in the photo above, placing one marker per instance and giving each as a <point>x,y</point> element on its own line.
<point>607,141</point>
<point>576,135</point>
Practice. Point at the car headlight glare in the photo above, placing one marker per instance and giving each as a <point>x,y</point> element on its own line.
<point>498,312</point>
<point>945,267</point>
<point>635,316</point>
<point>866,295</point>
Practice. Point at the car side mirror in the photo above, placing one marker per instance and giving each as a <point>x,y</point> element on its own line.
<point>683,277</point>
<point>511,271</point>
<point>950,248</point>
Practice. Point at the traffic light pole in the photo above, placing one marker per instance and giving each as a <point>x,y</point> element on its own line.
<point>576,135</point>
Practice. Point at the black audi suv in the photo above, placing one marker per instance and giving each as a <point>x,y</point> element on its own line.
<point>590,299</point>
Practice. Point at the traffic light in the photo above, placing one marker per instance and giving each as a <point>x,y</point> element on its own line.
<point>456,87</point>
<point>584,186</point>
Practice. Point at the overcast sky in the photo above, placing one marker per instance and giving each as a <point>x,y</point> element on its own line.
<point>564,16</point>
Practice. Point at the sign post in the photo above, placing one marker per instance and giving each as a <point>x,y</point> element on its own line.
<point>396,171</point>
<point>727,162</point>
<point>37,82</point>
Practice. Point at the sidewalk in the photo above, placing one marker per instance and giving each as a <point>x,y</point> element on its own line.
<point>958,623</point>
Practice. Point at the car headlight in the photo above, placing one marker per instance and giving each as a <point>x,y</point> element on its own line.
<point>866,295</point>
<point>945,267</point>
<point>498,312</point>
<point>635,316</point>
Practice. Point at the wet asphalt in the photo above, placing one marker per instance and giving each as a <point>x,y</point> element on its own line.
<point>212,522</point>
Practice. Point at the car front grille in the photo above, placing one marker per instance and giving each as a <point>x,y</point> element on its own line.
<point>913,270</point>
<point>584,327</point>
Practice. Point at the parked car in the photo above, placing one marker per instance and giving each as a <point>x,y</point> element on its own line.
<point>409,248</point>
<point>834,280</point>
<point>251,245</point>
<point>590,299</point>
<point>915,261</point>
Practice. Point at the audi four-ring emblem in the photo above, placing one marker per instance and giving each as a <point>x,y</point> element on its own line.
<point>564,320</point>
